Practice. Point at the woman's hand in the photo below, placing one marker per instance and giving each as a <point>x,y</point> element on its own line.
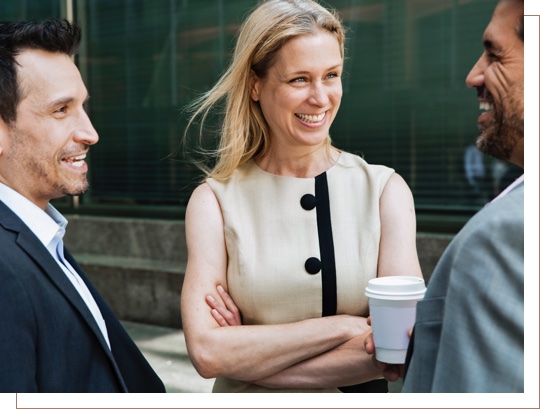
<point>225,313</point>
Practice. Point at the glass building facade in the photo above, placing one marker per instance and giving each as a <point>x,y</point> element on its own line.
<point>405,103</point>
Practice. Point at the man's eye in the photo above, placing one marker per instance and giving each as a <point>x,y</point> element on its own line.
<point>492,56</point>
<point>61,110</point>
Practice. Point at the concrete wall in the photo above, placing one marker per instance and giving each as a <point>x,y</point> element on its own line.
<point>138,265</point>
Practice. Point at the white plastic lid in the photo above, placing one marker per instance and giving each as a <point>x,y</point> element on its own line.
<point>396,288</point>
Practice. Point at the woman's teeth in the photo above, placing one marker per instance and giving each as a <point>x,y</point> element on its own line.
<point>311,118</point>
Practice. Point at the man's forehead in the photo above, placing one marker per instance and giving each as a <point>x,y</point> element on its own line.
<point>505,20</point>
<point>54,74</point>
<point>40,61</point>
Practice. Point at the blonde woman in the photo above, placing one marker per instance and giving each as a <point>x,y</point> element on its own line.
<point>286,230</point>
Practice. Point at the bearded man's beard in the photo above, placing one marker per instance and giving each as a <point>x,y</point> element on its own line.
<point>502,134</point>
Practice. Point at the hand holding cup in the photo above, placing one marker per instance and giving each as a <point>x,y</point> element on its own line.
<point>391,372</point>
<point>392,306</point>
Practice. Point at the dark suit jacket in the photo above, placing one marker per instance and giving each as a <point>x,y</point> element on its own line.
<point>49,340</point>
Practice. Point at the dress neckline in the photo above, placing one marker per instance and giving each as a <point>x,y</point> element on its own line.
<point>284,177</point>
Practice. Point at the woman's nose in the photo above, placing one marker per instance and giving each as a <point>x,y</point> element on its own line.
<point>318,95</point>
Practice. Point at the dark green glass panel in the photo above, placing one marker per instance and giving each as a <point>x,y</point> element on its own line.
<point>405,103</point>
<point>11,10</point>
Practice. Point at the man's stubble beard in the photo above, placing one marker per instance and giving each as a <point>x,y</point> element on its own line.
<point>41,172</point>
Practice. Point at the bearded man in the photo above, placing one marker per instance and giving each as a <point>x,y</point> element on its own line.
<point>468,335</point>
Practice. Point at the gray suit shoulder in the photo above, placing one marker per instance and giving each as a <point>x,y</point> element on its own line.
<point>500,221</point>
<point>469,327</point>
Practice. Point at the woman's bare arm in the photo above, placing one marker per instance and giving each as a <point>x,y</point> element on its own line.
<point>346,364</point>
<point>397,248</point>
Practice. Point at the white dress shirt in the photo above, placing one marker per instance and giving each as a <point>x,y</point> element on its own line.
<point>50,226</point>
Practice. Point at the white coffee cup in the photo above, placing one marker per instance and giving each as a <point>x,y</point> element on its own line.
<point>392,306</point>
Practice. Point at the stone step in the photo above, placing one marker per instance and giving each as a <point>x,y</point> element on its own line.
<point>127,237</point>
<point>140,290</point>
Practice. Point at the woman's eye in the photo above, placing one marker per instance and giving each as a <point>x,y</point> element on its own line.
<point>332,75</point>
<point>299,79</point>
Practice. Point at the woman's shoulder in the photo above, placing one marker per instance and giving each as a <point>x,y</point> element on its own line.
<point>202,195</point>
<point>348,159</point>
<point>243,180</point>
<point>373,172</point>
<point>241,172</point>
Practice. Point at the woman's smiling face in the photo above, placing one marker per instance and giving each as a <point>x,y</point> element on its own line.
<point>301,93</point>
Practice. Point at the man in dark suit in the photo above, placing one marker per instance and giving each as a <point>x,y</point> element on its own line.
<point>469,331</point>
<point>56,332</point>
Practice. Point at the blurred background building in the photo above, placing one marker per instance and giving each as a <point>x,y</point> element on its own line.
<point>405,105</point>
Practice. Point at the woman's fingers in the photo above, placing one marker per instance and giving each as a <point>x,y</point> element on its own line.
<point>226,312</point>
<point>234,314</point>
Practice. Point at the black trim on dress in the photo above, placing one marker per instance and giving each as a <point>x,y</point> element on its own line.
<point>326,246</point>
<point>328,273</point>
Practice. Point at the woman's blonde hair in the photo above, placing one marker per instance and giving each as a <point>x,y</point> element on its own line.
<point>244,131</point>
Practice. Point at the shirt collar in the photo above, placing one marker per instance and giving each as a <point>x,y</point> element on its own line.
<point>509,188</point>
<point>44,224</point>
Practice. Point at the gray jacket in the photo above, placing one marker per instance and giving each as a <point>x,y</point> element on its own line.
<point>468,335</point>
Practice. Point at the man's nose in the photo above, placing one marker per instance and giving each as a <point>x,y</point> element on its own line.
<point>85,131</point>
<point>475,78</point>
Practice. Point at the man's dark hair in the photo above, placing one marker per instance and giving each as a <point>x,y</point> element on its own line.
<point>52,35</point>
<point>521,29</point>
<point>520,25</point>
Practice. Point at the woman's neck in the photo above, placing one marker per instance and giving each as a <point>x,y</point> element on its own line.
<point>303,164</point>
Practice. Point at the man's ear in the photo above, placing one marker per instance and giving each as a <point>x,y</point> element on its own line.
<point>254,85</point>
<point>4,132</point>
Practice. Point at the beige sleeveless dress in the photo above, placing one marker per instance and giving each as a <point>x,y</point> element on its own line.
<point>300,248</point>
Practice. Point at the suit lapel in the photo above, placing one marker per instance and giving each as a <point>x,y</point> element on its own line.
<point>110,320</point>
<point>31,245</point>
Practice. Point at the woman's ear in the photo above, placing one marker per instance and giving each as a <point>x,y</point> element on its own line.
<point>254,85</point>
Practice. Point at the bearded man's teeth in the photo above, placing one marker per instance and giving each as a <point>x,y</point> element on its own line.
<point>311,118</point>
<point>486,106</point>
